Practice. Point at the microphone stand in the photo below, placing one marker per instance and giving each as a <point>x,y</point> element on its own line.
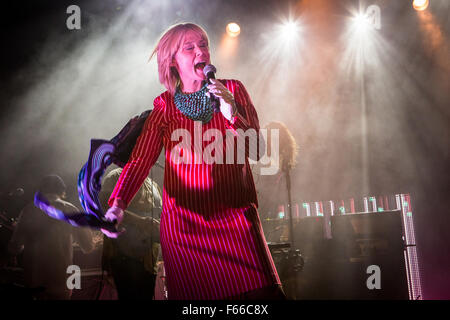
<point>293,253</point>
<point>291,223</point>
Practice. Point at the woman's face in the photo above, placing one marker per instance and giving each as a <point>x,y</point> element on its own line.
<point>191,58</point>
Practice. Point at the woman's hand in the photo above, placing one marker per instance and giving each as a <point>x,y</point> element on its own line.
<point>114,214</point>
<point>227,103</point>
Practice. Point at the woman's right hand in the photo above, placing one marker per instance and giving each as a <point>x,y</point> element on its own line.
<point>114,214</point>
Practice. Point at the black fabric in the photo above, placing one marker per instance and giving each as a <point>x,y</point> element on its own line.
<point>125,140</point>
<point>133,281</point>
<point>274,292</point>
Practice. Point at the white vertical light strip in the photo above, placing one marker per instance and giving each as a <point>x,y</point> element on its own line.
<point>408,242</point>
<point>331,207</point>
<point>307,208</point>
<point>366,204</point>
<point>408,271</point>
<point>398,202</point>
<point>319,213</point>
<point>411,250</point>
<point>327,213</point>
<point>374,204</point>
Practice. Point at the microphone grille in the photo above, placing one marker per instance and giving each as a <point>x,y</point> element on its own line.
<point>209,68</point>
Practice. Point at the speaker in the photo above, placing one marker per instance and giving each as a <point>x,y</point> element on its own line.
<point>368,251</point>
<point>364,259</point>
<point>368,234</point>
<point>309,235</point>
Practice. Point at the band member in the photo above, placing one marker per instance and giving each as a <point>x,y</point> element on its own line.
<point>131,258</point>
<point>274,201</point>
<point>47,243</point>
<point>212,242</point>
<point>272,193</point>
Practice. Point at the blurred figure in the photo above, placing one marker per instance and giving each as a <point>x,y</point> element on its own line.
<point>47,244</point>
<point>272,192</point>
<point>131,259</point>
<point>11,203</point>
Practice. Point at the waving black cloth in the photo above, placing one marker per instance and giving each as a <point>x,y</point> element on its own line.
<point>102,154</point>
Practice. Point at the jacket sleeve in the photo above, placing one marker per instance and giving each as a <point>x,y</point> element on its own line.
<point>245,125</point>
<point>145,153</point>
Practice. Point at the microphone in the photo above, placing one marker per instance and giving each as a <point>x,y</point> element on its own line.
<point>209,72</point>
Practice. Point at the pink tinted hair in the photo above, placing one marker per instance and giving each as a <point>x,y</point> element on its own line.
<point>167,47</point>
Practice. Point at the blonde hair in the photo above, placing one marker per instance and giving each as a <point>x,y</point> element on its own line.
<point>288,147</point>
<point>167,47</point>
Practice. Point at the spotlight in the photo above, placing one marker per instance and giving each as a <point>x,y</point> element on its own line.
<point>420,5</point>
<point>361,22</point>
<point>290,30</point>
<point>233,29</point>
<point>371,19</point>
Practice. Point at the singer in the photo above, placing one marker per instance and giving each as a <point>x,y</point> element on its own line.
<point>211,237</point>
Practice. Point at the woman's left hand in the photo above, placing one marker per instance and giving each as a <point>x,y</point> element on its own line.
<point>227,103</point>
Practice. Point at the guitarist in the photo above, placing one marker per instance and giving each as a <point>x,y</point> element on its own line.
<point>131,258</point>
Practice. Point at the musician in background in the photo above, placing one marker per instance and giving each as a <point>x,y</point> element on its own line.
<point>11,203</point>
<point>274,201</point>
<point>47,243</point>
<point>131,259</point>
<point>272,191</point>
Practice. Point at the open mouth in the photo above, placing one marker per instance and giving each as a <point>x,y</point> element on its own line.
<point>200,66</point>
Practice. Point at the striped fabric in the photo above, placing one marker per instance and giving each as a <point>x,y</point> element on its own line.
<point>211,237</point>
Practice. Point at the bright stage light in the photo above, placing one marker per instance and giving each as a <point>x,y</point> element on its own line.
<point>361,22</point>
<point>233,29</point>
<point>281,49</point>
<point>285,39</point>
<point>366,21</point>
<point>290,30</point>
<point>420,5</point>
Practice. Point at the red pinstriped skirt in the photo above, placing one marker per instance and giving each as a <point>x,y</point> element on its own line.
<point>217,257</point>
